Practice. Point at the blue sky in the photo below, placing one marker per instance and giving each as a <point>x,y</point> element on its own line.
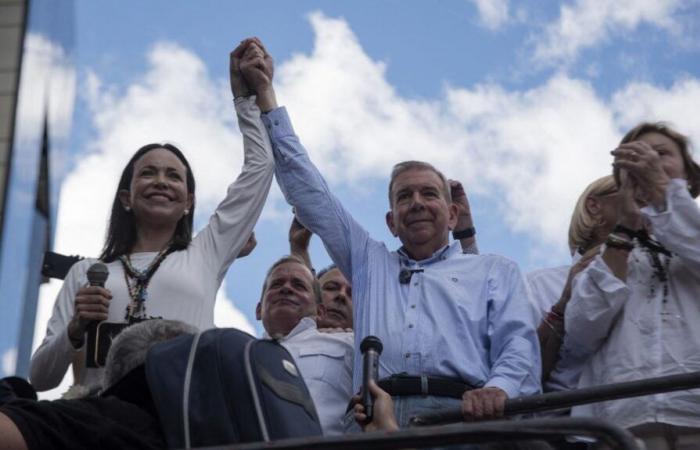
<point>522,101</point>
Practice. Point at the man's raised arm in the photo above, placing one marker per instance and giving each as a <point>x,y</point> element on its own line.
<point>302,184</point>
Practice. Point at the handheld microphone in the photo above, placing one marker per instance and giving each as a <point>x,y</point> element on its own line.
<point>371,347</point>
<point>406,274</point>
<point>97,275</point>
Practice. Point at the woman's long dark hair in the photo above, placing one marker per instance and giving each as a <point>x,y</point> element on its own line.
<point>121,233</point>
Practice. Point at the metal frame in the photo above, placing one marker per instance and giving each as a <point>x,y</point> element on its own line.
<point>464,433</point>
<point>567,399</point>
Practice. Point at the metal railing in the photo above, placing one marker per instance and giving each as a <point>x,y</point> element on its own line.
<point>567,399</point>
<point>464,433</point>
<point>425,432</point>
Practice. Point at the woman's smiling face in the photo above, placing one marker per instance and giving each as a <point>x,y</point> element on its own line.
<point>158,190</point>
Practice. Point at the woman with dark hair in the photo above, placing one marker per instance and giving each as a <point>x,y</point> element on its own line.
<point>155,267</point>
<point>635,309</point>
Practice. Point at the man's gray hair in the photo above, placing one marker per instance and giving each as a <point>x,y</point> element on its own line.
<point>129,348</point>
<point>418,165</point>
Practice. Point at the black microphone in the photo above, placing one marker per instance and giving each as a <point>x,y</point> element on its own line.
<point>97,275</point>
<point>371,347</point>
<point>406,274</point>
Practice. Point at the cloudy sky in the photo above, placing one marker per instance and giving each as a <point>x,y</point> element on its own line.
<point>521,101</point>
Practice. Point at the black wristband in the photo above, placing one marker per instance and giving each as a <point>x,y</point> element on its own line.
<point>630,233</point>
<point>464,234</point>
<point>619,245</point>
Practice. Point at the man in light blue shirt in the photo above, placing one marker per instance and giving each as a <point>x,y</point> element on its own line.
<point>456,328</point>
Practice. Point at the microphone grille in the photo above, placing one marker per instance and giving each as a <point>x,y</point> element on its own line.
<point>97,274</point>
<point>371,342</point>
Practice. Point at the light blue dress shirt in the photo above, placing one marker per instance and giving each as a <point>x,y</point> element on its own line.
<point>464,316</point>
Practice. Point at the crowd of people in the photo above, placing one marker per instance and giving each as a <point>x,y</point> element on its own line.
<point>459,329</point>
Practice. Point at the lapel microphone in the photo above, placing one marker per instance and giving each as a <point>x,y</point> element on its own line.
<point>405,275</point>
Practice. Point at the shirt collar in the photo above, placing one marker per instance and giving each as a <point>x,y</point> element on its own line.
<point>304,324</point>
<point>441,254</point>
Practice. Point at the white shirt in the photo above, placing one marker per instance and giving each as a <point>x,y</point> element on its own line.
<point>185,285</point>
<point>325,362</point>
<point>631,332</point>
<point>546,287</point>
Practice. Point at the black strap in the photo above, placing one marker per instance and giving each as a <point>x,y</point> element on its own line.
<point>424,385</point>
<point>286,391</point>
<point>464,234</point>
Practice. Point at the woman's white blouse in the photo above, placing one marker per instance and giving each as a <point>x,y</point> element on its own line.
<point>185,285</point>
<point>633,331</point>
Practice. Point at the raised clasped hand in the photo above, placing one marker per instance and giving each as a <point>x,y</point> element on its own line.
<point>643,164</point>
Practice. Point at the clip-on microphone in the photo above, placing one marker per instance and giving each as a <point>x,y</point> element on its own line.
<point>406,274</point>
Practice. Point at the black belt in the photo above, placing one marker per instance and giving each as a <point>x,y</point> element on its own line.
<point>424,385</point>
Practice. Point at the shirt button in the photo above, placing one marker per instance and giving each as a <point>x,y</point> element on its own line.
<point>413,306</point>
<point>407,355</point>
<point>415,284</point>
<point>410,325</point>
<point>277,122</point>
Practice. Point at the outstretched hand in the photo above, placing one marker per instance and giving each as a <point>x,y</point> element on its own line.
<point>249,246</point>
<point>239,87</point>
<point>299,235</point>
<point>257,69</point>
<point>629,214</point>
<point>459,199</point>
<point>383,418</point>
<point>299,238</point>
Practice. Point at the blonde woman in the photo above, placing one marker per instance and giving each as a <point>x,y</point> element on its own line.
<point>636,307</point>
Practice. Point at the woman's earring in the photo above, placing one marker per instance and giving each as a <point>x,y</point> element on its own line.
<point>187,211</point>
<point>127,208</point>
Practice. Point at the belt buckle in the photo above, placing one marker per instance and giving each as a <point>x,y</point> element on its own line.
<point>424,385</point>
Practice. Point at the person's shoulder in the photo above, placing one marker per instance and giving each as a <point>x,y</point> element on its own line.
<point>490,260</point>
<point>345,338</point>
<point>547,272</point>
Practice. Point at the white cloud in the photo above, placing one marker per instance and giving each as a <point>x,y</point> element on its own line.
<point>492,13</point>
<point>9,361</point>
<point>585,23</point>
<point>529,152</point>
<point>677,104</point>
<point>227,315</point>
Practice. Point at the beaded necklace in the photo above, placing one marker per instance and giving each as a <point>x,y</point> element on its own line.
<point>655,250</point>
<point>137,283</point>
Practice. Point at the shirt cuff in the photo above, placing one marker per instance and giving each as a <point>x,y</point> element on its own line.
<point>505,385</point>
<point>676,187</point>
<point>277,123</point>
<point>67,344</point>
<point>239,100</point>
<point>603,277</point>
